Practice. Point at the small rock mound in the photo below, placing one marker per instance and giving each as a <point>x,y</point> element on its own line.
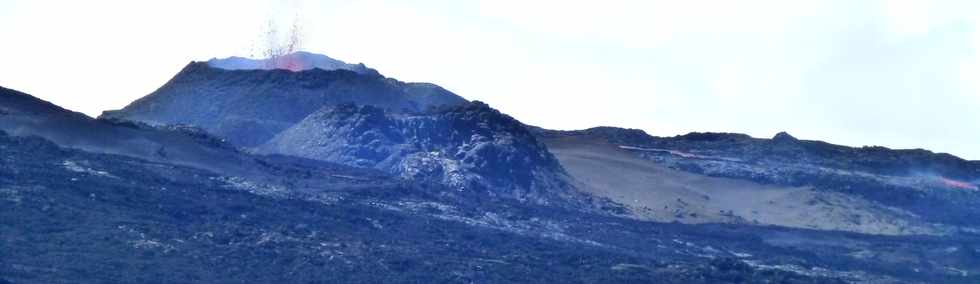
<point>784,137</point>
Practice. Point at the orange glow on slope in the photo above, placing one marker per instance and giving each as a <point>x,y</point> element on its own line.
<point>290,63</point>
<point>957,184</point>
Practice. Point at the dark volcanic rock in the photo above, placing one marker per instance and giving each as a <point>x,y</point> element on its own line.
<point>466,147</point>
<point>144,203</point>
<point>70,216</point>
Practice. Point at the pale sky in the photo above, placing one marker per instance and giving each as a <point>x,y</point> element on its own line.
<point>901,74</point>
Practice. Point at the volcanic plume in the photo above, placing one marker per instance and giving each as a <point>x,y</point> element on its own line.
<point>276,49</point>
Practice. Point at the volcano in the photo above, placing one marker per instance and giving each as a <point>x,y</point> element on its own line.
<point>303,168</point>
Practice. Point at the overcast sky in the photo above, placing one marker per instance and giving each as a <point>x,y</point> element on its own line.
<point>902,74</point>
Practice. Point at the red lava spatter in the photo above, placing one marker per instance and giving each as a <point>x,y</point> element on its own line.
<point>290,63</point>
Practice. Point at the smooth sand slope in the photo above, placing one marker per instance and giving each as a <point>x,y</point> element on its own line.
<point>655,192</point>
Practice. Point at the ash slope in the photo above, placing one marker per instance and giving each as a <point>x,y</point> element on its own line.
<point>733,178</point>
<point>25,115</point>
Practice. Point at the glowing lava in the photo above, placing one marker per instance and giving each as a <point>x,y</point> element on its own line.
<point>291,63</point>
<point>957,184</point>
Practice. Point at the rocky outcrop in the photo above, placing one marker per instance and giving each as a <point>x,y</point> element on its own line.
<point>468,147</point>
